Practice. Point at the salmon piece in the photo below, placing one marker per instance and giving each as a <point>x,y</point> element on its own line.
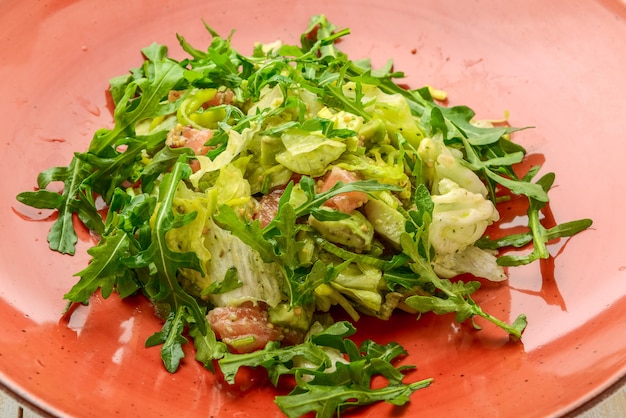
<point>343,202</point>
<point>243,328</point>
<point>268,204</point>
<point>221,98</point>
<point>268,207</point>
<point>186,136</point>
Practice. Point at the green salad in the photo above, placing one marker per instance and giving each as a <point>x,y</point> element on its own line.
<point>251,197</point>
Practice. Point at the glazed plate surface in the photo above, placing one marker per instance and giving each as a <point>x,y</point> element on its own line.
<point>557,66</point>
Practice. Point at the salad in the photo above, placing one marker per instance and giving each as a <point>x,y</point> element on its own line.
<point>251,198</point>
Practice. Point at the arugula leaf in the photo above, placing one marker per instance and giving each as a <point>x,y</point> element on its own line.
<point>104,270</point>
<point>563,230</point>
<point>172,339</point>
<point>165,261</point>
<point>164,287</point>
<point>208,348</point>
<point>287,247</point>
<point>454,297</point>
<point>328,384</point>
<point>111,172</point>
<point>62,236</point>
<point>538,235</point>
<point>230,282</point>
<point>137,176</point>
<point>118,242</point>
<point>248,232</point>
<point>328,401</point>
<point>144,98</point>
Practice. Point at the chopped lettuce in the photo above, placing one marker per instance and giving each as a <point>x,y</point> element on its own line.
<point>444,162</point>
<point>309,153</point>
<point>218,250</point>
<point>473,260</point>
<point>236,144</point>
<point>460,217</point>
<point>214,177</point>
<point>392,109</point>
<point>260,281</point>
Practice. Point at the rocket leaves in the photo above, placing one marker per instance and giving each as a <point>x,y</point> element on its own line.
<point>331,358</point>
<point>138,176</point>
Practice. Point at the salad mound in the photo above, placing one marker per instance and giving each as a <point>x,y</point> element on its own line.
<point>249,197</point>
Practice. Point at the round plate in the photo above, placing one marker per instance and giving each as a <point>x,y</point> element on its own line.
<point>557,66</point>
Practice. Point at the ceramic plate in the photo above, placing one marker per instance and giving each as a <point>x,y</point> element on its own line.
<point>557,66</point>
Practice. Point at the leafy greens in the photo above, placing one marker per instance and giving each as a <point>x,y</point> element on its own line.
<point>296,111</point>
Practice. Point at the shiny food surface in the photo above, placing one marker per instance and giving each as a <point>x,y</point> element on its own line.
<point>556,66</point>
